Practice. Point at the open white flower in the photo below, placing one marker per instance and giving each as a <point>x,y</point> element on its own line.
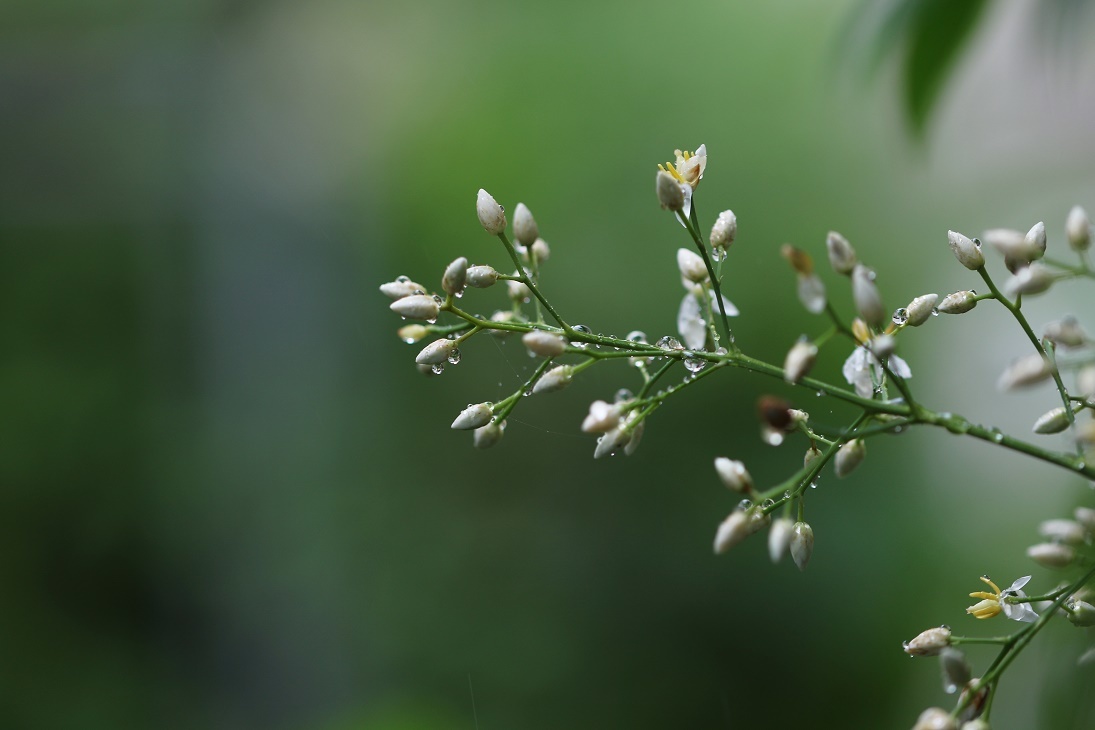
<point>690,321</point>
<point>863,370</point>
<point>687,171</point>
<point>994,603</point>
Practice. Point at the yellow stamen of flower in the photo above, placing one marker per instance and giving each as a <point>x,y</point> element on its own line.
<point>668,167</point>
<point>989,605</point>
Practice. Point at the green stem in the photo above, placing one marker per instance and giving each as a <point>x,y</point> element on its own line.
<point>527,281</point>
<point>731,345</point>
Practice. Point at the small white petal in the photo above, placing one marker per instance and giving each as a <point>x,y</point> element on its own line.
<point>731,310</point>
<point>690,324</point>
<point>899,367</point>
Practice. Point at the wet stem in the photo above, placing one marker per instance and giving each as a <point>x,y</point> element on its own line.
<point>691,225</point>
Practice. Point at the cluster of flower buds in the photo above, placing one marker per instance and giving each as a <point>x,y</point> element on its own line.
<point>1065,541</point>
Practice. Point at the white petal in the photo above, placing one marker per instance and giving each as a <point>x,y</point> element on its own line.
<point>686,189</point>
<point>857,371</point>
<point>899,367</point>
<point>1019,583</point>
<point>690,324</point>
<point>731,310</point>
<point>1020,612</point>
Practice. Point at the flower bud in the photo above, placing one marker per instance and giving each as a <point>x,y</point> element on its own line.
<point>920,309</point>
<point>518,290</point>
<point>802,544</point>
<point>474,416</point>
<point>611,442</point>
<point>636,429</point>
<point>779,538</point>
<point>841,254</point>
<point>436,352</point>
<point>555,379</point>
<point>544,344</point>
<point>811,292</point>
<point>1051,554</point>
<point>1025,371</point>
<point>603,417</point>
<point>486,436</point>
<point>957,303</point>
<point>417,306</point>
<point>691,265</point>
<point>978,724</point>
<point>670,195</point>
<point>412,333</point>
<point>929,643</point>
<point>800,358</point>
<point>455,276</point>
<point>1054,420</point>
<point>541,252</point>
<point>955,668</point>
<point>1035,240</point>
<point>481,276</point>
<point>1066,332</point>
<point>401,287</point>
<point>799,260</point>
<point>503,316</point>
<point>524,225</point>
<point>1081,613</point>
<point>734,475</point>
<point>1086,517</point>
<point>491,215</point>
<point>934,718</point>
<point>812,454</point>
<point>1078,229</point>
<point>868,301</point>
<point>732,530</point>
<point>775,413</point>
<point>849,456</point>
<point>1010,243</point>
<point>1066,531</point>
<point>1085,382</point>
<point>725,230</point>
<point>1033,279</point>
<point>966,250</point>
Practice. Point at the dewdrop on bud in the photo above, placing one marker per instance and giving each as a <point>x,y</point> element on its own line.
<point>670,195</point>
<point>725,230</point>
<point>486,436</point>
<point>603,417</point>
<point>481,277</point>
<point>779,538</point>
<point>1025,371</point>
<point>868,301</point>
<point>841,254</point>
<point>929,643</point>
<point>1066,531</point>
<point>491,215</point>
<point>734,475</point>
<point>412,333</point>
<point>401,287</point>
<point>957,303</point>
<point>1078,229</point>
<point>1081,613</point>
<point>555,379</point>
<point>691,265</point>
<point>920,309</point>
<point>934,718</point>
<point>1052,421</point>
<point>544,344</point>
<point>1051,554</point>
<point>1033,279</point>
<point>524,225</point>
<point>849,456</point>
<point>802,544</point>
<point>436,352</point>
<point>966,250</point>
<point>1035,240</point>
<point>455,276</point>
<point>1066,332</point>
<point>800,358</point>
<point>541,252</point>
<point>811,292</point>
<point>417,306</point>
<point>518,290</point>
<point>474,416</point>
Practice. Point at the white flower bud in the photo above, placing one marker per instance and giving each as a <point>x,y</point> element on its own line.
<point>802,544</point>
<point>637,430</point>
<point>978,724</point>
<point>1054,420</point>
<point>812,454</point>
<point>541,252</point>
<point>611,442</point>
<point>956,669</point>
<point>436,352</point>
<point>1086,517</point>
<point>491,215</point>
<point>779,538</point>
<point>1025,371</point>
<point>1033,279</point>
<point>734,475</point>
<point>1078,229</point>
<point>1035,240</point>
<point>524,225</point>
<point>732,530</point>
<point>1085,381</point>
<point>725,230</point>
<point>518,291</point>
<point>966,250</point>
<point>417,306</point>
<point>841,254</point>
<point>1066,531</point>
<point>691,265</point>
<point>503,316</point>
<point>555,379</point>
<point>800,358</point>
<point>811,292</point>
<point>481,276</point>
<point>920,309</point>
<point>412,333</point>
<point>934,718</point>
<point>1066,332</point>
<point>849,456</point>
<point>868,301</point>
<point>544,344</point>
<point>929,643</point>
<point>957,303</point>
<point>1051,554</point>
<point>401,287</point>
<point>455,276</point>
<point>1010,243</point>
<point>473,416</point>
<point>670,194</point>
<point>1082,613</point>
<point>486,436</point>
<point>603,417</point>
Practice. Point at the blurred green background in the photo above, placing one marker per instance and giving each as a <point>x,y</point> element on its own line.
<point>230,501</point>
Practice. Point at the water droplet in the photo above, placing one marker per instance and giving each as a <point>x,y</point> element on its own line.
<point>786,495</point>
<point>973,292</point>
<point>772,437</point>
<point>997,436</point>
<point>459,293</point>
<point>454,356</point>
<point>718,254</point>
<point>583,330</point>
<point>950,688</point>
<point>669,343</point>
<point>438,368</point>
<point>438,299</point>
<point>935,311</point>
<point>820,393</point>
<point>695,364</point>
<point>768,504</point>
<point>410,340</point>
<point>813,484</point>
<point>977,242</point>
<point>623,394</point>
<point>745,504</point>
<point>637,336</point>
<point>417,292</point>
<point>901,316</point>
<point>945,626</point>
<point>402,279</point>
<point>721,351</point>
<point>526,393</point>
<point>1081,464</point>
<point>904,645</point>
<point>432,321</point>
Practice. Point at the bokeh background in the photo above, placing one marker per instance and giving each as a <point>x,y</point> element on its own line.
<point>230,501</point>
